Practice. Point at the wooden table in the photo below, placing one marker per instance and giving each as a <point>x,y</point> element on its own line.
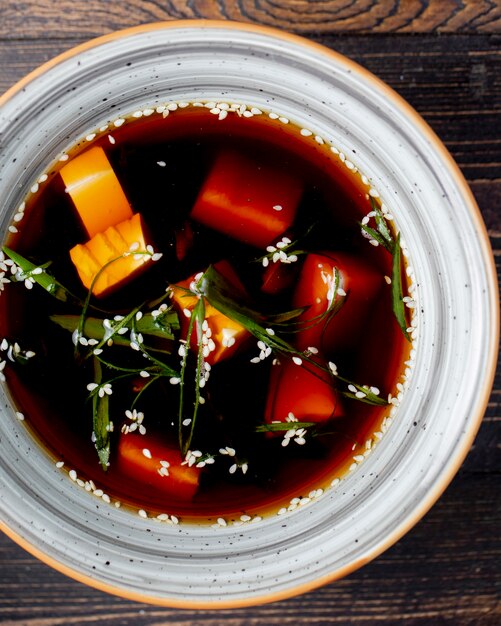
<point>444,57</point>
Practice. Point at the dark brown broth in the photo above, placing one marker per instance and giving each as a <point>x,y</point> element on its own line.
<point>51,391</point>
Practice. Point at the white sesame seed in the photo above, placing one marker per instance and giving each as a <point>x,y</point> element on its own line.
<point>305,132</point>
<point>147,453</point>
<point>297,360</point>
<point>73,475</point>
<point>142,513</point>
<point>117,123</point>
<point>20,416</point>
<point>64,157</point>
<point>60,464</point>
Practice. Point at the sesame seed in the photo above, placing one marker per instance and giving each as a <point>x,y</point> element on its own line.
<point>297,360</point>
<point>284,120</point>
<point>64,157</point>
<point>277,207</point>
<point>142,513</point>
<point>147,453</point>
<point>117,123</point>
<point>111,139</point>
<point>72,474</point>
<point>20,416</point>
<point>305,132</point>
<point>273,116</point>
<point>60,464</point>
<point>161,163</point>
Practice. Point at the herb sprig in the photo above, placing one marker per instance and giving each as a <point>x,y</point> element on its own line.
<point>382,235</point>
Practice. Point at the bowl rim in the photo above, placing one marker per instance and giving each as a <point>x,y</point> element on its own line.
<point>491,278</point>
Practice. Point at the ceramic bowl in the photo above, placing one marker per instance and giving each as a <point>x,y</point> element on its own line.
<point>454,354</point>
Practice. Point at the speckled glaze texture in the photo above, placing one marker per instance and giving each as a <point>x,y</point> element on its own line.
<point>198,566</point>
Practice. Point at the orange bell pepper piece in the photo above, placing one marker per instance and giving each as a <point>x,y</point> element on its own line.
<point>90,258</point>
<point>227,335</point>
<point>96,191</point>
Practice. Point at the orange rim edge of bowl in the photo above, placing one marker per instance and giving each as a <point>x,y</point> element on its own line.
<point>461,452</point>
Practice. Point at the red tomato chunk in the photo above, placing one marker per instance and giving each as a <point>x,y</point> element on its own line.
<point>315,289</point>
<point>147,461</point>
<point>304,390</point>
<point>247,201</point>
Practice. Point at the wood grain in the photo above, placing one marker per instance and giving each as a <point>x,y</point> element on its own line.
<point>45,18</point>
<point>446,571</point>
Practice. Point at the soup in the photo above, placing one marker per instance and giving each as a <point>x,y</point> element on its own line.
<point>215,321</point>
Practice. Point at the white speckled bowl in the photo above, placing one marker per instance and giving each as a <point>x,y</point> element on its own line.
<point>190,566</point>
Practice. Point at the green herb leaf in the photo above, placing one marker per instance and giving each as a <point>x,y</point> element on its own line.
<point>199,314</point>
<point>381,224</point>
<point>282,426</point>
<point>374,234</point>
<point>396,289</point>
<point>161,326</point>
<point>101,420</point>
<point>384,237</point>
<point>44,279</point>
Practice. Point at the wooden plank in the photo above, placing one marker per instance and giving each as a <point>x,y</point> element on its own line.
<point>446,571</point>
<point>37,18</point>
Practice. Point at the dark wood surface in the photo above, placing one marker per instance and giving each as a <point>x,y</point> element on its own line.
<point>444,57</point>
